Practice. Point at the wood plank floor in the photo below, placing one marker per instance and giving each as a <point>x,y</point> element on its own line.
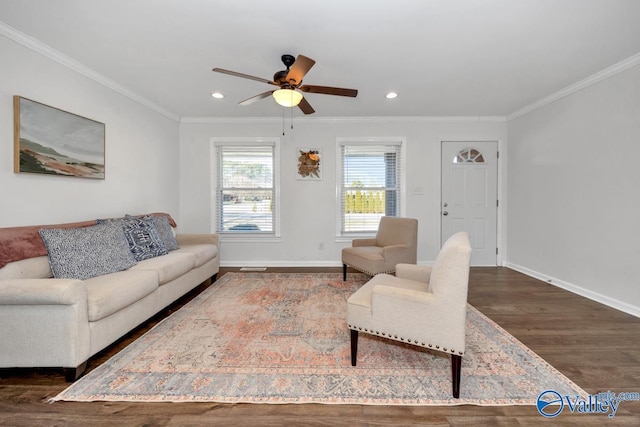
<point>595,346</point>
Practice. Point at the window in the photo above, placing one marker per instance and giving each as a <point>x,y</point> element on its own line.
<point>246,187</point>
<point>370,183</point>
<point>469,156</point>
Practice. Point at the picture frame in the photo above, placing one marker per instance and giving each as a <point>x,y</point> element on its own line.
<point>309,164</point>
<point>51,141</point>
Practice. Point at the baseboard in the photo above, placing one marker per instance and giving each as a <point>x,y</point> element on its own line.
<point>283,264</point>
<point>594,296</point>
<point>273,264</point>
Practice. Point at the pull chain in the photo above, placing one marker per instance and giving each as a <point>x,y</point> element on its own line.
<point>283,119</point>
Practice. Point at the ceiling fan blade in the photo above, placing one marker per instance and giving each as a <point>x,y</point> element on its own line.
<point>306,107</point>
<point>256,98</point>
<point>244,76</point>
<point>327,90</point>
<point>300,67</point>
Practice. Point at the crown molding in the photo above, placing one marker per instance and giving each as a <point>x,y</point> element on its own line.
<point>52,54</point>
<point>582,84</point>
<point>381,119</point>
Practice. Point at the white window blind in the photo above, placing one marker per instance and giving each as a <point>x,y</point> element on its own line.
<point>245,198</point>
<point>370,188</point>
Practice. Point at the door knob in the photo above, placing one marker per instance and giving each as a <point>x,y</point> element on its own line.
<point>445,213</point>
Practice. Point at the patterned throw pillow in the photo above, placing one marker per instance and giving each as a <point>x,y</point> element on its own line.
<point>143,238</point>
<point>165,232</point>
<point>85,252</point>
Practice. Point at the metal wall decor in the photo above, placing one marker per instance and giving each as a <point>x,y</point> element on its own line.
<point>309,163</point>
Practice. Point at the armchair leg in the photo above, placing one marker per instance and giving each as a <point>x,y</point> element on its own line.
<point>456,367</point>
<point>354,347</point>
<point>344,272</point>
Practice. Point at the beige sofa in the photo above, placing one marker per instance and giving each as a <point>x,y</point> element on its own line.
<point>49,322</point>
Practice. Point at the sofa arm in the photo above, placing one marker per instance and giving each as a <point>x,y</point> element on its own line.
<point>395,254</point>
<point>44,323</point>
<point>363,242</point>
<point>42,292</point>
<point>198,239</point>
<point>419,273</point>
<point>424,317</point>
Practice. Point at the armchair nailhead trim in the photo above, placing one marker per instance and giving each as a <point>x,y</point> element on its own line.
<point>409,340</point>
<point>370,273</point>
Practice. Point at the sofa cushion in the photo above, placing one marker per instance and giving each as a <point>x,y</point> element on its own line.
<point>18,243</point>
<point>363,296</point>
<point>367,258</point>
<point>30,268</point>
<point>165,232</point>
<point>82,253</point>
<point>143,238</point>
<point>204,252</point>
<point>169,266</point>
<point>110,293</point>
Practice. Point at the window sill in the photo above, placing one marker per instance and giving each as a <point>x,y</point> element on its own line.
<point>350,237</point>
<point>249,239</point>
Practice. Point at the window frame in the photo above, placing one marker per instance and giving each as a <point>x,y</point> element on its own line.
<point>274,142</point>
<point>367,141</point>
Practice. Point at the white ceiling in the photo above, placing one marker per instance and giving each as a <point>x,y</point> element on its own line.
<point>444,57</point>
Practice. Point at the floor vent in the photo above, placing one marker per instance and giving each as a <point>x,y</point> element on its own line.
<point>253,268</point>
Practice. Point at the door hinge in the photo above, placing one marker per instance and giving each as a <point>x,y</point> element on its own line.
<point>496,251</point>
<point>497,203</point>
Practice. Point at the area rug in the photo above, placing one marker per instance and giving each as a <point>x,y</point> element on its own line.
<point>283,338</point>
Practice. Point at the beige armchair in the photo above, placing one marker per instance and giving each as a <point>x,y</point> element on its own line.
<point>396,242</point>
<point>421,305</point>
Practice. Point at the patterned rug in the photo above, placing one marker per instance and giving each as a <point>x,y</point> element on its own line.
<point>282,338</point>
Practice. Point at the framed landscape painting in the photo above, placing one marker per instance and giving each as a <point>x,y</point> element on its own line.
<point>54,142</point>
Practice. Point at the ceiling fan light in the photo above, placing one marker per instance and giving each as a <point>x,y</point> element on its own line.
<point>287,97</point>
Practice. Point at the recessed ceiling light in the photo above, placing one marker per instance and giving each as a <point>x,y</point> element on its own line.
<point>217,95</point>
<point>392,95</point>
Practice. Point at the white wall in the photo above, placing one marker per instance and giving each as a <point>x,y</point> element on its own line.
<point>141,148</point>
<point>309,207</point>
<point>574,192</point>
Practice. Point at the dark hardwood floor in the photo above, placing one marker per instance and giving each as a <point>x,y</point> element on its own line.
<point>595,346</point>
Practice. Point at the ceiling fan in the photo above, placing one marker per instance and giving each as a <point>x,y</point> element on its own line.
<point>290,83</point>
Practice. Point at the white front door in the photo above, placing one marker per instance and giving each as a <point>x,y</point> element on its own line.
<point>469,196</point>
